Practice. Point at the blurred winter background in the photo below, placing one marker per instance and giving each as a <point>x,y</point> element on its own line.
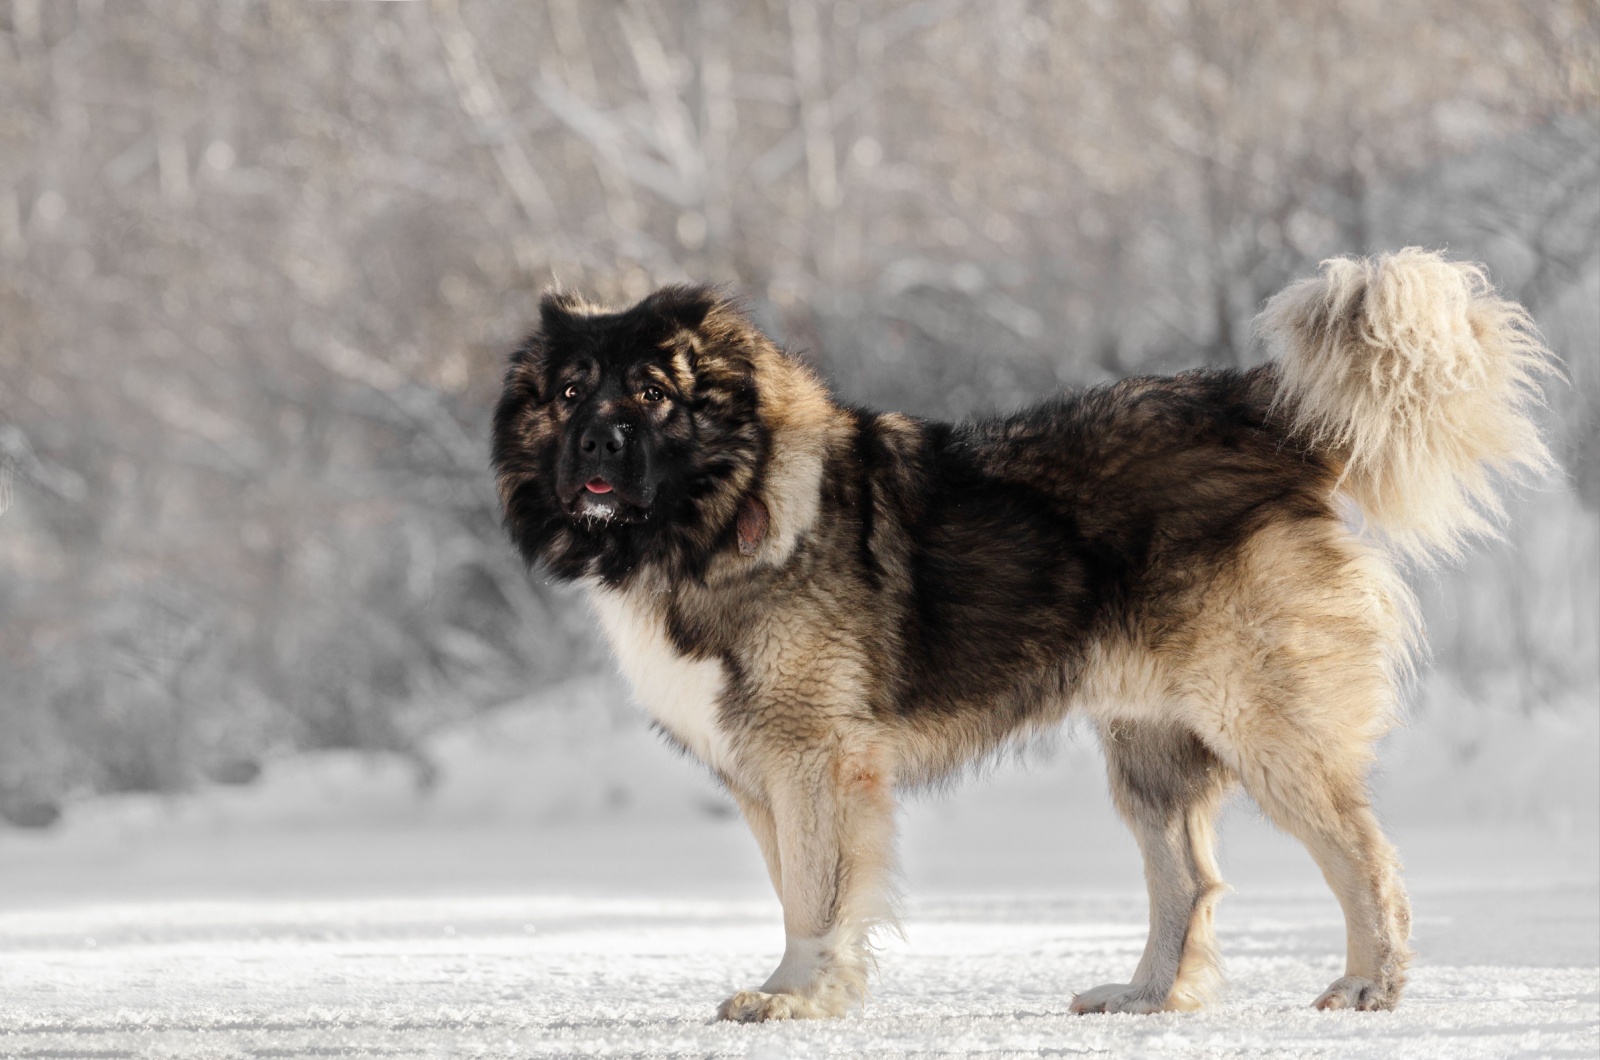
<point>260,264</point>
<point>296,758</point>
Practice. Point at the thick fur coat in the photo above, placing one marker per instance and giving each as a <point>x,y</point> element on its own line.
<point>826,604</point>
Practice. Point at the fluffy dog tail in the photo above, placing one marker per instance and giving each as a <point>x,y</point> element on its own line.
<point>1415,373</point>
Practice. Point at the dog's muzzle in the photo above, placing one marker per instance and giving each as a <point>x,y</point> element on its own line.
<point>607,473</point>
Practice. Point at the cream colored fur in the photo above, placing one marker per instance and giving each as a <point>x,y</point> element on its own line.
<point>1424,378</point>
<point>682,695</point>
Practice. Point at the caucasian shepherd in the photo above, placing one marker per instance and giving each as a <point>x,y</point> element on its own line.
<point>826,604</point>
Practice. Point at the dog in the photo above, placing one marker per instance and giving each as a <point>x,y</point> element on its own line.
<point>827,605</point>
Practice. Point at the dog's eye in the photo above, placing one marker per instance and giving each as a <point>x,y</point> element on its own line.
<point>654,393</point>
<point>570,394</point>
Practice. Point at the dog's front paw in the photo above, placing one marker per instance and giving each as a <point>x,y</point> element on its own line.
<point>1355,992</point>
<point>1117,997</point>
<point>754,1006</point>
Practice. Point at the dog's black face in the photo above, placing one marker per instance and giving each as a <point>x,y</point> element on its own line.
<point>617,414</point>
<point>627,439</point>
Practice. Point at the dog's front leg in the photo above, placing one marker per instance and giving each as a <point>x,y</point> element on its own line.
<point>758,815</point>
<point>832,812</point>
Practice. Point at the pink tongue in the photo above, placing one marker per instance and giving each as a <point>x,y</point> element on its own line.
<point>597,485</point>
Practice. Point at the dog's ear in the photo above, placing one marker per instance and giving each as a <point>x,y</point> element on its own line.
<point>684,305</point>
<point>560,311</point>
<point>560,308</point>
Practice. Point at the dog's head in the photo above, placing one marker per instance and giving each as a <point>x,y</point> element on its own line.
<point>625,439</point>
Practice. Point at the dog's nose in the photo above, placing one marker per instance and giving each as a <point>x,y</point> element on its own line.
<point>606,438</point>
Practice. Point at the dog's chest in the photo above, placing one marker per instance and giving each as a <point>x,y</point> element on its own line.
<point>682,694</point>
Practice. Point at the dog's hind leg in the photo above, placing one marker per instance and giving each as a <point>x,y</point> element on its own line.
<point>832,814</point>
<point>1168,787</point>
<point>1316,791</point>
<point>1288,675</point>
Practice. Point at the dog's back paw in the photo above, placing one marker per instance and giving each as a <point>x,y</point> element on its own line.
<point>756,1006</point>
<point>1355,992</point>
<point>1118,997</point>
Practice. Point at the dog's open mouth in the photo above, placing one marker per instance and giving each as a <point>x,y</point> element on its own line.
<point>599,500</point>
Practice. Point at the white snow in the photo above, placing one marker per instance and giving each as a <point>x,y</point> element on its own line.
<point>573,889</point>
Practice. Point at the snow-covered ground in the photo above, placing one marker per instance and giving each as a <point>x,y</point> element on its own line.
<point>573,890</point>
